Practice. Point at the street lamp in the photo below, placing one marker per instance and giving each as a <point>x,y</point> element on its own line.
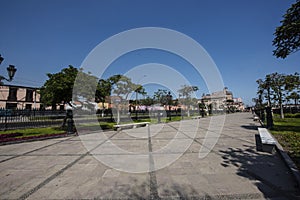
<point>11,70</point>
<point>1,59</point>
<point>169,98</point>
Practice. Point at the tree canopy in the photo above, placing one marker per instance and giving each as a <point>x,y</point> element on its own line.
<point>58,88</point>
<point>160,96</point>
<point>287,35</point>
<point>186,92</point>
<point>277,88</point>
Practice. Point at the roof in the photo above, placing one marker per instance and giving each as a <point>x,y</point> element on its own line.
<point>21,86</point>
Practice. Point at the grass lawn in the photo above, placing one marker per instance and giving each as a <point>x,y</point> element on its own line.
<point>19,134</point>
<point>95,126</point>
<point>287,132</point>
<point>109,125</point>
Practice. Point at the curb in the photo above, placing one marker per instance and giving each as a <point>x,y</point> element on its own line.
<point>286,158</point>
<point>288,161</point>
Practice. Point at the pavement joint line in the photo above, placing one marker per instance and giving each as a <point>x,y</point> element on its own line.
<point>37,155</point>
<point>111,154</point>
<point>53,176</point>
<point>269,184</point>
<point>152,174</point>
<point>195,140</point>
<point>228,136</point>
<point>272,191</point>
<point>16,156</point>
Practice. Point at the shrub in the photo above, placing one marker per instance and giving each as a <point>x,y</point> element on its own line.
<point>289,115</point>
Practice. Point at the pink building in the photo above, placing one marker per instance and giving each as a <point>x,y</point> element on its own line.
<point>19,97</point>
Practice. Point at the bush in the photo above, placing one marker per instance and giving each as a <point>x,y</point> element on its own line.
<point>289,115</point>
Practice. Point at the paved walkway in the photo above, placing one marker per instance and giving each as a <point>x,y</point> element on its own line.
<point>68,168</point>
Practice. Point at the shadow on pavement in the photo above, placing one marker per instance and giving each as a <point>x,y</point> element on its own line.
<point>250,127</point>
<point>140,191</point>
<point>267,171</point>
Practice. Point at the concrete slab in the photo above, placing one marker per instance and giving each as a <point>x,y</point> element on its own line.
<point>71,168</point>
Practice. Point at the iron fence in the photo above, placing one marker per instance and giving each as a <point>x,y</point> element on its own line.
<point>20,119</point>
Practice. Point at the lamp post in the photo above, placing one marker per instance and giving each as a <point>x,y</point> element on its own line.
<point>11,70</point>
<point>169,98</point>
<point>1,59</point>
<point>136,107</point>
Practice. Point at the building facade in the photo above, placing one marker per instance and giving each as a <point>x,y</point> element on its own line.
<point>222,100</point>
<point>217,100</point>
<point>19,97</point>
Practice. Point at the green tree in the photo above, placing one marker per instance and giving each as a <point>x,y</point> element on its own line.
<point>148,101</point>
<point>295,96</point>
<point>186,92</point>
<point>277,87</point>
<point>59,86</point>
<point>85,87</point>
<point>160,96</point>
<point>293,87</point>
<point>277,84</point>
<point>140,90</point>
<point>264,88</point>
<point>287,35</point>
<point>293,82</point>
<point>104,88</point>
<point>122,88</point>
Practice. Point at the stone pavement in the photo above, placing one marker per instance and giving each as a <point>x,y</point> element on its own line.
<point>69,168</point>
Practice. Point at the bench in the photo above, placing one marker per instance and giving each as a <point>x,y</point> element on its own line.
<point>255,118</point>
<point>267,140</point>
<point>132,125</point>
<point>196,117</point>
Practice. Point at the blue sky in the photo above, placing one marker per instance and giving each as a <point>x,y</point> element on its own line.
<point>40,37</point>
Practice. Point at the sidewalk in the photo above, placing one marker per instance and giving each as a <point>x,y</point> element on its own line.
<point>67,168</point>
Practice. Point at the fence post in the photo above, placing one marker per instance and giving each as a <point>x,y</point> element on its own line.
<point>70,122</point>
<point>5,123</point>
<point>269,117</point>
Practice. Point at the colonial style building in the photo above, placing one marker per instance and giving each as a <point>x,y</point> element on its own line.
<point>217,100</point>
<point>222,100</point>
<point>19,97</point>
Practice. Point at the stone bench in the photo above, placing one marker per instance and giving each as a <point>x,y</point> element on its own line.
<point>132,125</point>
<point>255,118</point>
<point>267,140</point>
<point>196,117</point>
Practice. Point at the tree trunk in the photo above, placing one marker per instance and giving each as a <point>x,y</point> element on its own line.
<point>102,114</point>
<point>188,111</point>
<point>281,110</point>
<point>118,114</point>
<point>269,98</point>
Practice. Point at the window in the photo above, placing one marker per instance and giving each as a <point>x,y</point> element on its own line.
<point>28,106</point>
<point>12,96</point>
<point>29,95</point>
